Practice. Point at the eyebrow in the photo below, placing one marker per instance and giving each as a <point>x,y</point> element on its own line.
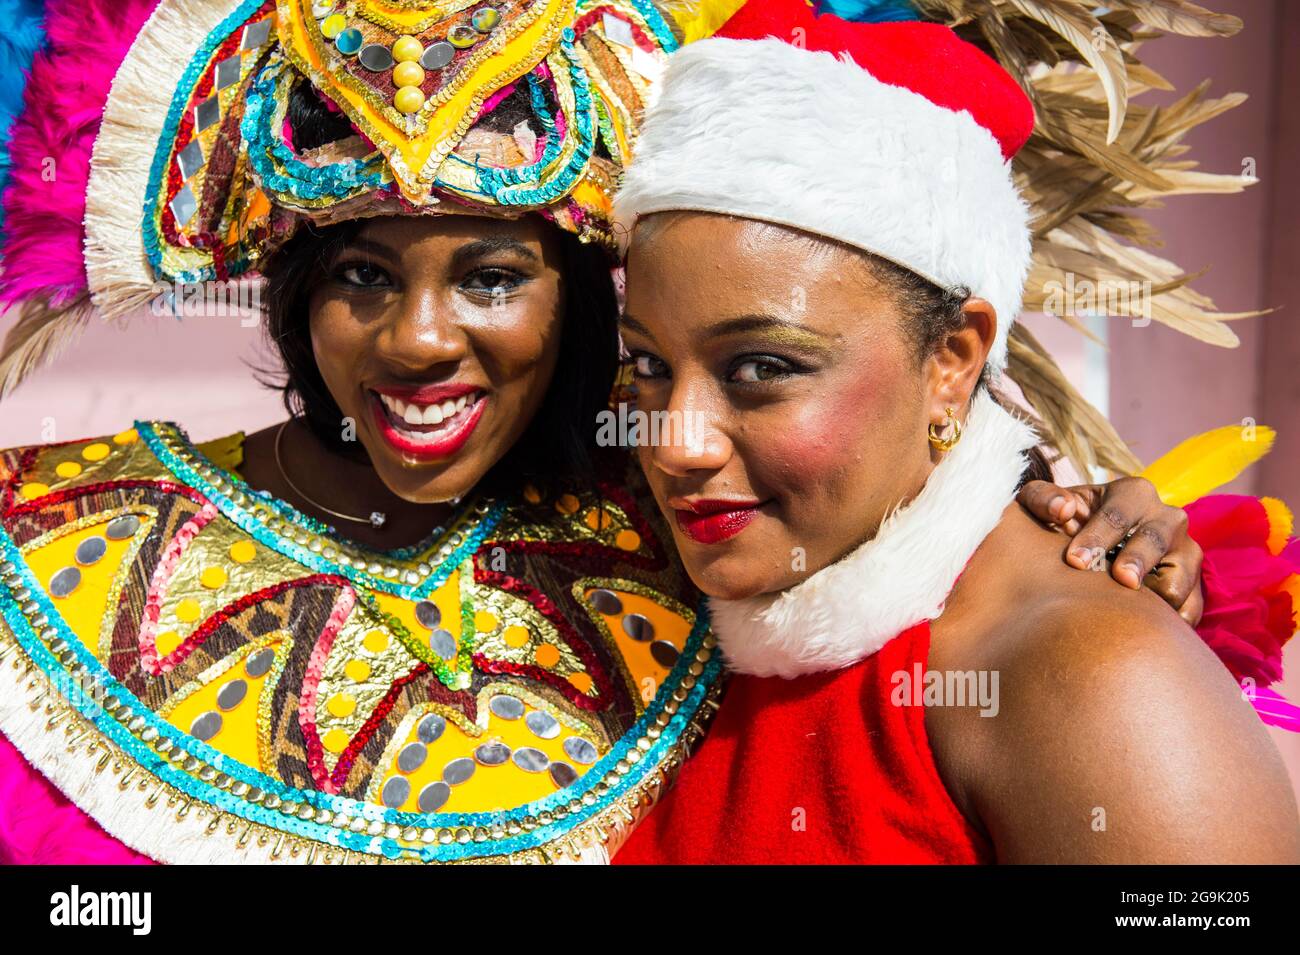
<point>738,324</point>
<point>490,245</point>
<point>627,321</point>
<point>465,254</point>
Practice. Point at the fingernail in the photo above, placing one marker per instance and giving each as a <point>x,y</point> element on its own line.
<point>1056,506</point>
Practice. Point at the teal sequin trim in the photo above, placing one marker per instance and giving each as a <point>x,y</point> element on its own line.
<point>501,183</point>
<point>198,478</point>
<point>163,152</point>
<point>92,688</point>
<point>281,171</point>
<point>663,33</point>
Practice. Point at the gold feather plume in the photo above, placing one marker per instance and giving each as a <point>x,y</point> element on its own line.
<point>1095,158</point>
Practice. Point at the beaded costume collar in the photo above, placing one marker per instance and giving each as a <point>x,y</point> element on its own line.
<point>902,576</point>
<point>215,677</point>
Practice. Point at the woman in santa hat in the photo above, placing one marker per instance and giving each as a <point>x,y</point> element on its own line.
<point>921,679</point>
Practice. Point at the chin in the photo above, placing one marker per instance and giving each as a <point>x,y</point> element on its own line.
<point>422,482</point>
<point>725,576</point>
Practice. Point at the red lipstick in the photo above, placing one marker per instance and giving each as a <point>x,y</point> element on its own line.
<point>711,521</point>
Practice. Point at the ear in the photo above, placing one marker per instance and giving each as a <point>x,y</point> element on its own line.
<point>956,365</point>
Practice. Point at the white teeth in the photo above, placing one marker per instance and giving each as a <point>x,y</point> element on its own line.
<point>427,415</point>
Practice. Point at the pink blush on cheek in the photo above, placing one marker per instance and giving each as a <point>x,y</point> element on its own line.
<point>813,445</point>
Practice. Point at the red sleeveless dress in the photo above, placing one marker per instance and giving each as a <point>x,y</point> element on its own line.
<point>819,769</point>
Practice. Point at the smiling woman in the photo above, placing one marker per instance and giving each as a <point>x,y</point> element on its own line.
<point>835,329</point>
<point>369,315</point>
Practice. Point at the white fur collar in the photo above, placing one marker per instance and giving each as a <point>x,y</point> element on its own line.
<point>849,610</point>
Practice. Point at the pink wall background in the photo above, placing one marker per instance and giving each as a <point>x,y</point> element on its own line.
<point>1160,386</point>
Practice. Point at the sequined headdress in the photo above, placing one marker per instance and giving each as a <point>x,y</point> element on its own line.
<point>155,140</point>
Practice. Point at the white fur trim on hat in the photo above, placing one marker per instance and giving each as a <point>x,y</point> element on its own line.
<point>902,576</point>
<point>763,130</point>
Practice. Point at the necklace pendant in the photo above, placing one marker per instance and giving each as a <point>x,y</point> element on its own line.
<point>378,518</point>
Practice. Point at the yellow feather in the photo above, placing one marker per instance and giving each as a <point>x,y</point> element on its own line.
<point>1207,461</point>
<point>701,18</point>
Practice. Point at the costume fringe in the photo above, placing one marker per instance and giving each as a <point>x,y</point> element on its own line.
<point>168,826</point>
<point>117,267</point>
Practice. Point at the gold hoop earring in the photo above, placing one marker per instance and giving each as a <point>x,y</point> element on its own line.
<point>938,441</point>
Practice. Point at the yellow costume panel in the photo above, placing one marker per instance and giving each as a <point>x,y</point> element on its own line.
<point>517,686</point>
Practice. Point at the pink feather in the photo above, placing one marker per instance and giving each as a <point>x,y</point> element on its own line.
<point>1275,709</point>
<point>52,142</point>
<point>41,826</point>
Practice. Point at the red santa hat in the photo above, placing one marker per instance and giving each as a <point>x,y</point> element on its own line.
<point>892,137</point>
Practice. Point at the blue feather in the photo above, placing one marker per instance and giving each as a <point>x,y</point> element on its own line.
<point>869,11</point>
<point>22,36</point>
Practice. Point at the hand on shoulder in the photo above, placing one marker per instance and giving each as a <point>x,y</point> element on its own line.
<point>1119,737</point>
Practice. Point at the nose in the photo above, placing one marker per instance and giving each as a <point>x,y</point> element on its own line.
<point>420,332</point>
<point>696,439</point>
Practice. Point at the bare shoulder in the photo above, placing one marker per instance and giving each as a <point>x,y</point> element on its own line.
<point>1118,736</point>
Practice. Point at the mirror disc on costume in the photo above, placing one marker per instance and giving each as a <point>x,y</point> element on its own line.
<point>638,627</point>
<point>437,55</point>
<point>485,20</point>
<point>122,528</point>
<point>458,770</point>
<point>463,37</point>
<point>259,663</point>
<point>562,774</point>
<point>396,791</point>
<point>543,725</point>
<point>492,754</point>
<point>91,550</point>
<point>580,750</point>
<point>664,653</point>
<point>232,694</point>
<point>428,614</point>
<point>411,757</point>
<point>531,760</point>
<point>333,25</point>
<point>430,728</point>
<point>206,725</point>
<point>506,707</point>
<point>443,644</point>
<point>606,602</point>
<point>376,57</point>
<point>433,796</point>
<point>64,582</point>
<point>349,41</point>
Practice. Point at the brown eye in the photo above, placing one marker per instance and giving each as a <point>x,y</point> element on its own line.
<point>493,281</point>
<point>758,370</point>
<point>648,366</point>
<point>362,275</point>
